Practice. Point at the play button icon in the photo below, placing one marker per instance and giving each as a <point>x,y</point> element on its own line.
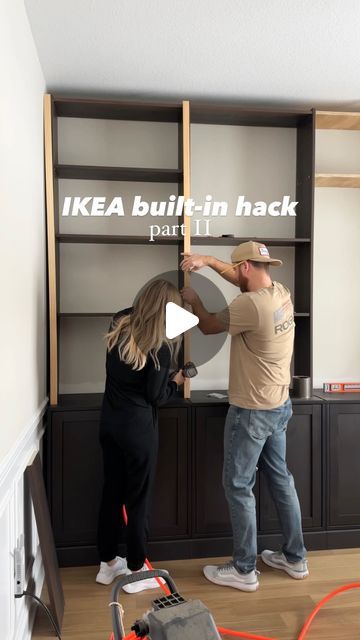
<point>175,320</point>
<point>178,320</point>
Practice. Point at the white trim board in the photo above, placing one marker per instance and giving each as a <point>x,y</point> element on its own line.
<point>17,520</point>
<point>13,465</point>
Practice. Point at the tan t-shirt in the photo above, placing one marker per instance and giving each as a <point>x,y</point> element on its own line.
<point>261,324</point>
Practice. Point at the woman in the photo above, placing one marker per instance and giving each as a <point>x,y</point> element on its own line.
<point>138,362</point>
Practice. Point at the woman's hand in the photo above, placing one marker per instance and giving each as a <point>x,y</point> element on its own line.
<point>178,377</point>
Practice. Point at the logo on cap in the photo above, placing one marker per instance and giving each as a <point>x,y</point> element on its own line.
<point>263,251</point>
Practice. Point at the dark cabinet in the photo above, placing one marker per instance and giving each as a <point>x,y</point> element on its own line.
<point>304,456</point>
<point>210,509</point>
<point>343,465</point>
<point>304,459</point>
<point>75,476</point>
<point>169,508</point>
<point>189,515</point>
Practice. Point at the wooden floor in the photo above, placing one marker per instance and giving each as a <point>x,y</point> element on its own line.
<point>278,609</point>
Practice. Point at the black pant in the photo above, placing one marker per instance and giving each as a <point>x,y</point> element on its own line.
<point>129,453</point>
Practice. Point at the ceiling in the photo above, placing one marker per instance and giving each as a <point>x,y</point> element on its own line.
<point>268,52</point>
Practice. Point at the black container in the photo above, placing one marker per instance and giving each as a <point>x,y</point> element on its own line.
<point>301,387</point>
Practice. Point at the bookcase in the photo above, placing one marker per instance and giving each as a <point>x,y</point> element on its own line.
<point>261,155</point>
<point>97,265</point>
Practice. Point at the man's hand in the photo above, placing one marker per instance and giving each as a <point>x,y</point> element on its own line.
<point>194,261</point>
<point>208,322</point>
<point>190,296</point>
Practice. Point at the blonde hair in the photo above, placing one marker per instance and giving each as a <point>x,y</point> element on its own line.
<point>142,333</point>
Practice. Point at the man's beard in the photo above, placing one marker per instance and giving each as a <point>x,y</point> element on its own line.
<point>243,284</point>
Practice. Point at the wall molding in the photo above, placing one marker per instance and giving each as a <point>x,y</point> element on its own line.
<point>16,460</point>
<point>18,520</point>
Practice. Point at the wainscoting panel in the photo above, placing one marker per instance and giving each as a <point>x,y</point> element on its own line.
<point>18,526</point>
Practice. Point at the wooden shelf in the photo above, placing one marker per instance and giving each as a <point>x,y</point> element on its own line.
<point>109,314</point>
<point>91,314</point>
<point>115,110</point>
<point>88,238</point>
<point>271,242</point>
<point>208,240</point>
<point>123,174</point>
<point>337,120</point>
<point>337,180</point>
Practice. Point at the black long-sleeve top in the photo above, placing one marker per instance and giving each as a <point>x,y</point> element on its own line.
<point>148,388</point>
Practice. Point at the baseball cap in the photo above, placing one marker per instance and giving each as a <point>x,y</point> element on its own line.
<point>256,251</point>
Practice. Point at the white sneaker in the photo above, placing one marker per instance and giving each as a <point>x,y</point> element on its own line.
<point>141,585</point>
<point>107,574</point>
<point>227,576</point>
<point>277,560</point>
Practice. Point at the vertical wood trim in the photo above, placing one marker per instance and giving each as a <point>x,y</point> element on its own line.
<point>180,192</point>
<point>51,245</point>
<point>186,170</point>
<point>187,228</point>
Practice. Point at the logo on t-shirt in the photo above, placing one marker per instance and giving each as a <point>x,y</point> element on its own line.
<point>284,326</point>
<point>280,312</point>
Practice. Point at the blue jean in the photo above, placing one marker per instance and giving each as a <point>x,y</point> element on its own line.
<point>251,438</point>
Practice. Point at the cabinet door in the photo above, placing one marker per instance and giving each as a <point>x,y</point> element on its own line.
<point>76,476</point>
<point>344,473</point>
<point>169,506</point>
<point>304,460</point>
<point>210,509</point>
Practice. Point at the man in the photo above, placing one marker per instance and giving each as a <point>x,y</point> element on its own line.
<point>261,323</point>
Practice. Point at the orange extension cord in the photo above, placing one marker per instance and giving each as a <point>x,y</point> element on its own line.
<point>243,634</point>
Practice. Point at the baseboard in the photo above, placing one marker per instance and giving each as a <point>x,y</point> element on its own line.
<point>344,539</point>
<point>211,547</point>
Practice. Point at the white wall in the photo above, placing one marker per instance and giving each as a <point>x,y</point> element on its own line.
<point>22,239</point>
<point>23,317</point>
<point>336,305</point>
<point>256,162</point>
<point>119,143</point>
